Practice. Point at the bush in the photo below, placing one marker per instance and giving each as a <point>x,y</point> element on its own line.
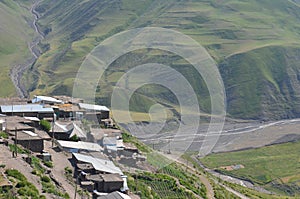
<point>45,125</point>
<point>74,138</point>
<point>12,147</point>
<point>28,191</point>
<point>68,170</point>
<point>45,179</point>
<point>21,184</point>
<point>35,162</point>
<point>4,135</point>
<point>34,172</point>
<point>48,164</point>
<point>16,174</point>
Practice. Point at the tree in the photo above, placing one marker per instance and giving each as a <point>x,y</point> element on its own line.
<point>45,125</point>
<point>74,138</point>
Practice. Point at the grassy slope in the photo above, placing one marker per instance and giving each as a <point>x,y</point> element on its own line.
<point>234,32</point>
<point>274,167</point>
<point>15,32</point>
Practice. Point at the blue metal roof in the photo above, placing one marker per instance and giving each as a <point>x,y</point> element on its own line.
<point>25,108</point>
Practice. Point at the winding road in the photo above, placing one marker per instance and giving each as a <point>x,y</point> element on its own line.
<point>17,71</point>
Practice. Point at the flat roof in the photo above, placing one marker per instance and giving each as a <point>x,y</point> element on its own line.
<point>68,108</point>
<point>80,145</point>
<point>111,177</point>
<point>115,195</point>
<point>25,136</point>
<point>99,164</point>
<point>93,107</point>
<point>25,108</point>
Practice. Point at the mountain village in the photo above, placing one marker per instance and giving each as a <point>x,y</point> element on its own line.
<point>45,129</point>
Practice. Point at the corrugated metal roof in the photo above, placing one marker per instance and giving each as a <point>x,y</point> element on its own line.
<point>80,145</point>
<point>93,107</point>
<point>35,119</point>
<point>76,130</point>
<point>40,98</point>
<point>59,128</point>
<point>99,164</point>
<point>26,108</point>
<point>111,141</point>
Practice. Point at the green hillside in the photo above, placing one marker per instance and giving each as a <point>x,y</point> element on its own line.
<point>255,44</point>
<point>274,167</point>
<point>15,33</point>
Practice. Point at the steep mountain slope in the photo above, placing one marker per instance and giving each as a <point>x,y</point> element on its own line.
<point>255,43</point>
<point>15,35</point>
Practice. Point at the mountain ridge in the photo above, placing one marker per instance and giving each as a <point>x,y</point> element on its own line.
<point>255,40</point>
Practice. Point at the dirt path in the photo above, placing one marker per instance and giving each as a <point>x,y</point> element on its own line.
<point>233,191</point>
<point>60,161</point>
<point>227,188</point>
<point>203,179</point>
<point>183,187</point>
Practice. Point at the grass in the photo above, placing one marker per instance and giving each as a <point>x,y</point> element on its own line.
<point>48,164</point>
<point>49,187</point>
<point>249,41</point>
<point>13,39</point>
<point>37,166</point>
<point>255,194</point>
<point>188,180</point>
<point>240,36</point>
<point>24,188</point>
<point>274,167</point>
<point>18,148</point>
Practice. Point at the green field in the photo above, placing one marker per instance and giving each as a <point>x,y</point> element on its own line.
<point>276,167</point>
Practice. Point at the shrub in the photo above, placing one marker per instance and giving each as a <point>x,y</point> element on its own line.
<point>68,170</point>
<point>4,135</point>
<point>48,164</point>
<point>34,172</point>
<point>12,147</point>
<point>35,162</point>
<point>45,179</point>
<point>28,191</point>
<point>16,174</point>
<point>45,125</point>
<point>74,138</point>
<point>21,184</point>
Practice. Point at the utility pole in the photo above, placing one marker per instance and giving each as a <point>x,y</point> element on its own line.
<point>76,184</point>
<point>169,144</point>
<point>12,109</point>
<point>53,132</point>
<point>187,164</point>
<point>15,153</point>
<point>76,187</point>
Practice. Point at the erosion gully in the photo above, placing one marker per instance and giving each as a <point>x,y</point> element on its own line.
<point>17,71</point>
